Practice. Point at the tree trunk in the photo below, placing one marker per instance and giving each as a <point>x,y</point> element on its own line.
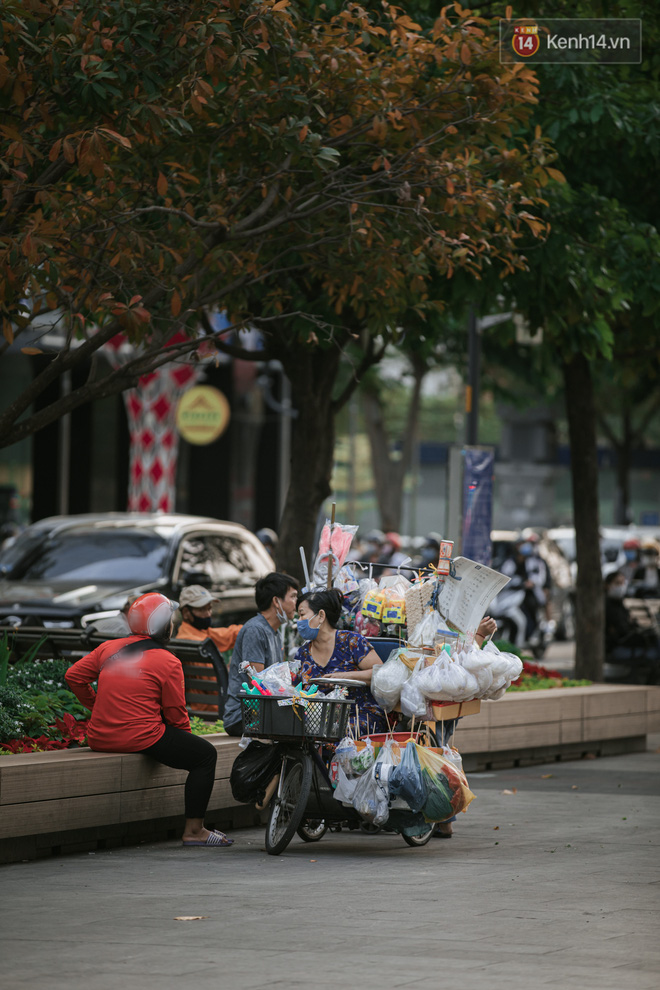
<point>390,474</point>
<point>590,607</point>
<point>312,375</point>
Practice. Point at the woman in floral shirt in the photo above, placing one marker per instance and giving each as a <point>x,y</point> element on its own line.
<point>332,652</point>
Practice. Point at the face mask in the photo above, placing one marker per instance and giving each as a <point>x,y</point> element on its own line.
<point>305,630</point>
<point>525,549</point>
<point>630,554</point>
<point>280,613</point>
<point>200,623</point>
<point>617,591</point>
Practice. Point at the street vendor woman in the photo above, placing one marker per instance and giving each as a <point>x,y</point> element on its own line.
<point>338,653</point>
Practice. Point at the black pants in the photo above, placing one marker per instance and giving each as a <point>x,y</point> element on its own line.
<point>183,751</point>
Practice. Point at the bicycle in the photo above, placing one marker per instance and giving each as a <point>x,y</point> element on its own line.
<point>304,801</point>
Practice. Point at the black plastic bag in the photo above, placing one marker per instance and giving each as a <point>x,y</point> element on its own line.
<point>253,770</point>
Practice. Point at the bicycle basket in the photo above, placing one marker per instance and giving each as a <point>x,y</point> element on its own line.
<point>267,718</point>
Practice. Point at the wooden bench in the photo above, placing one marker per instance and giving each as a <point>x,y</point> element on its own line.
<point>644,611</point>
<point>204,667</point>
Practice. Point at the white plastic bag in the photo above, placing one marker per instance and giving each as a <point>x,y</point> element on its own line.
<point>277,679</point>
<point>344,753</point>
<point>345,789</point>
<point>447,680</point>
<point>425,631</point>
<point>387,681</point>
<point>413,701</point>
<point>372,794</point>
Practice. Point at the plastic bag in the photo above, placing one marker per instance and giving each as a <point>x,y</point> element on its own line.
<point>425,632</point>
<point>406,779</point>
<point>253,770</point>
<point>371,798</point>
<point>363,759</point>
<point>334,544</point>
<point>344,753</point>
<point>387,681</point>
<point>448,789</point>
<point>277,679</point>
<point>345,789</point>
<point>446,680</point>
<point>372,793</point>
<point>506,667</point>
<point>413,701</point>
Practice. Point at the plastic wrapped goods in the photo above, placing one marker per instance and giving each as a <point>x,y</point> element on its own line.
<point>406,779</point>
<point>277,679</point>
<point>363,759</point>
<point>447,680</point>
<point>425,632</point>
<point>413,701</point>
<point>344,754</point>
<point>345,789</point>
<point>334,544</point>
<point>371,797</point>
<point>388,680</point>
<point>448,789</point>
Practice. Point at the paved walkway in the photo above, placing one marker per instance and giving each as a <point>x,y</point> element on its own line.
<point>551,880</point>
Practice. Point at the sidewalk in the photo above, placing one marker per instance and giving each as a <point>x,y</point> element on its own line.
<point>551,880</point>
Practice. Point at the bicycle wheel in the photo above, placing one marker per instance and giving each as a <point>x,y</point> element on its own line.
<point>312,829</point>
<point>287,808</point>
<point>418,840</point>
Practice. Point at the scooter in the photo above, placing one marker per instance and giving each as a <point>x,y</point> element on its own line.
<point>511,620</point>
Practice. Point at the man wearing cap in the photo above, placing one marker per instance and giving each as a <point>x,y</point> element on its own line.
<point>196,605</point>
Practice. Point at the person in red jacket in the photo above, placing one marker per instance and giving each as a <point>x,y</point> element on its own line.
<point>139,706</point>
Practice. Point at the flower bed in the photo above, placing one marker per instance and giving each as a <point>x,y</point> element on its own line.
<point>536,677</point>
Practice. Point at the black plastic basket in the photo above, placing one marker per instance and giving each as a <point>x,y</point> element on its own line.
<point>324,719</point>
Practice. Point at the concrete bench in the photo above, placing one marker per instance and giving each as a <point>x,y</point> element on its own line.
<point>75,799</point>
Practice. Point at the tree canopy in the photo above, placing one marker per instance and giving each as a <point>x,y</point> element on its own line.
<point>166,159</point>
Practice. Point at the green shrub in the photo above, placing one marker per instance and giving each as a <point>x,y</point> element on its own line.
<point>200,727</point>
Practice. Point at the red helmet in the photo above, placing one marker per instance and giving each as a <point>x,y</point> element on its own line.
<point>631,545</point>
<point>150,614</point>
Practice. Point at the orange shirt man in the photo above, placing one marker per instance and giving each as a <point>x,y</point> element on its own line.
<point>196,605</point>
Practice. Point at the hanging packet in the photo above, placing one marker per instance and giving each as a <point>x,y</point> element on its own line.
<point>406,779</point>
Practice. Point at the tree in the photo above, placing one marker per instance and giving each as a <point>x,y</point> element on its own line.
<point>165,160</point>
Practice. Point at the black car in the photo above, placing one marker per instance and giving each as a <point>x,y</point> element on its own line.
<point>69,570</point>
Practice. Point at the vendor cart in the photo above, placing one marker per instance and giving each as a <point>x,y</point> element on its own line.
<point>304,800</point>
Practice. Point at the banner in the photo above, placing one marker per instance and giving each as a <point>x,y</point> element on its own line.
<point>478,465</point>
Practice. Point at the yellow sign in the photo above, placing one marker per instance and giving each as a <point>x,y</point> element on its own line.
<point>202,414</point>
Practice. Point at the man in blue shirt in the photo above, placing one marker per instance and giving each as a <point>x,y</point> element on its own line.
<point>259,641</point>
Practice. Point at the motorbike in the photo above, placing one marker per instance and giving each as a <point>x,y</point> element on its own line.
<point>512,623</point>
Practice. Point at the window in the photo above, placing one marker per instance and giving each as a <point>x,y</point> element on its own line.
<point>218,561</point>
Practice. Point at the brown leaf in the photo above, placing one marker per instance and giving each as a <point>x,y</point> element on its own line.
<point>31,350</point>
<point>161,185</point>
<point>175,305</point>
<point>303,132</point>
<point>514,791</point>
<point>546,776</point>
<point>466,54</point>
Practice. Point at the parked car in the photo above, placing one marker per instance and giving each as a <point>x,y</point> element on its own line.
<point>69,570</point>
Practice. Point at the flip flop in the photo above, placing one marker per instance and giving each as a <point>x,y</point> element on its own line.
<point>214,839</point>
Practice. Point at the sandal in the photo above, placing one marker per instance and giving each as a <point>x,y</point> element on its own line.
<point>215,838</point>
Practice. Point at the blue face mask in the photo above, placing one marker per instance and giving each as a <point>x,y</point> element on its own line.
<point>525,549</point>
<point>305,630</point>
<point>630,554</point>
